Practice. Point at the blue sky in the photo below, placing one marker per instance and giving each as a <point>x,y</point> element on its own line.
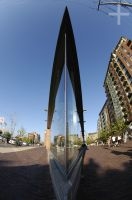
<point>28,35</point>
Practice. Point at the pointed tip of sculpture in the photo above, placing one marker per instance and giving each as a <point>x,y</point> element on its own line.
<point>66,10</point>
<point>66,14</point>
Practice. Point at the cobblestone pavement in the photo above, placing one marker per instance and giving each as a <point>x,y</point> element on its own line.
<point>107,174</point>
<point>24,175</point>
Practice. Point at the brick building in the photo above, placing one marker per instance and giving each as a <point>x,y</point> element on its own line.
<point>118,85</point>
<point>34,137</point>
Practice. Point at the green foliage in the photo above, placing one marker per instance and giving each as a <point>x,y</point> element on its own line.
<point>7,135</point>
<point>89,140</point>
<point>77,141</point>
<point>31,140</point>
<point>26,139</point>
<point>18,142</point>
<point>117,128</point>
<point>103,135</point>
<point>21,132</point>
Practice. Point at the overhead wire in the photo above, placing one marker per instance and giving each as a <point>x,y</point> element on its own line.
<point>105,9</point>
<point>111,7</point>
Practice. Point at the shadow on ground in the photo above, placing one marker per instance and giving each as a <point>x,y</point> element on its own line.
<point>24,182</point>
<point>111,184</point>
<point>107,175</point>
<point>127,153</point>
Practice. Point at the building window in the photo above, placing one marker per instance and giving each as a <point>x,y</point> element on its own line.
<point>128,54</point>
<point>121,64</point>
<point>128,64</point>
<point>115,65</point>
<point>128,75</point>
<point>125,58</point>
<point>130,79</point>
<point>121,55</point>
<point>128,43</point>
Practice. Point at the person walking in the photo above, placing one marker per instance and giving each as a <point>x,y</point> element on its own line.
<point>119,139</point>
<point>116,141</point>
<point>125,137</point>
<point>109,141</point>
<point>113,140</point>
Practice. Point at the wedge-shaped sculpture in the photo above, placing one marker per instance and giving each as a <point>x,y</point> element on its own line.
<point>65,115</point>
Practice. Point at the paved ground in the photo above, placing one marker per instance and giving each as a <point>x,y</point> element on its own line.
<point>24,175</point>
<point>107,174</point>
<point>12,148</point>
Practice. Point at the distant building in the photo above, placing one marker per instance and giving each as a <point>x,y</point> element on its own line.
<point>34,137</point>
<point>73,138</point>
<point>118,86</point>
<point>104,117</point>
<point>60,139</point>
<point>92,136</point>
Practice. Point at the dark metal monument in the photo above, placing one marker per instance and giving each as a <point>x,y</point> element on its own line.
<point>65,116</point>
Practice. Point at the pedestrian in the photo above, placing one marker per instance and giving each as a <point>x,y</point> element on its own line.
<point>109,141</point>
<point>119,139</point>
<point>116,141</point>
<point>113,140</point>
<point>125,137</point>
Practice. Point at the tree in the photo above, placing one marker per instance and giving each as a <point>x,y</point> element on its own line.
<point>21,132</point>
<point>104,134</point>
<point>39,138</point>
<point>31,140</point>
<point>0,132</point>
<point>26,139</point>
<point>119,127</point>
<point>7,135</point>
<point>89,140</point>
<point>77,141</point>
<point>12,125</point>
